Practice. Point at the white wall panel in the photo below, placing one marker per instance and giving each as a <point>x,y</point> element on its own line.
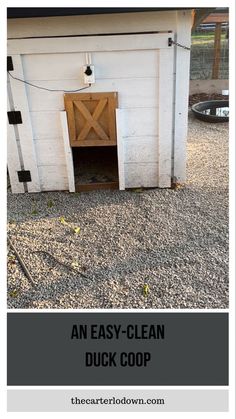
<point>108,65</point>
<point>46,125</point>
<point>13,158</point>
<point>141,175</point>
<point>138,123</point>
<point>20,103</point>
<point>143,150</point>
<point>165,117</point>
<point>92,24</point>
<point>50,151</point>
<point>132,93</point>
<point>181,95</point>
<point>76,44</point>
<point>53,178</point>
<point>68,152</point>
<point>130,65</point>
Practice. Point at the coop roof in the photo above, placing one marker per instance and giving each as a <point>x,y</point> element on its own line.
<point>25,12</point>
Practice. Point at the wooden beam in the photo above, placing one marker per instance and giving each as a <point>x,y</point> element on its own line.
<point>217,18</point>
<point>200,15</point>
<point>95,186</point>
<point>216,62</point>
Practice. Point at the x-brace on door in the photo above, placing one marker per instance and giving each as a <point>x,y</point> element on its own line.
<point>91,118</point>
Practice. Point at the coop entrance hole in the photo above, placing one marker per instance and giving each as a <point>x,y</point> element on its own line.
<point>95,168</point>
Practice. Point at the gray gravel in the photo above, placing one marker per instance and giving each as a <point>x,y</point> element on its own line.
<point>175,241</point>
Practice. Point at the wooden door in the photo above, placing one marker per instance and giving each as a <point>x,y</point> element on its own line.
<point>91,118</point>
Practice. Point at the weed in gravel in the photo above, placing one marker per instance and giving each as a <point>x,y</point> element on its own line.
<point>76,230</point>
<point>75,264</point>
<point>14,293</point>
<point>62,220</point>
<point>50,204</point>
<point>137,190</point>
<point>145,290</point>
<point>34,212</point>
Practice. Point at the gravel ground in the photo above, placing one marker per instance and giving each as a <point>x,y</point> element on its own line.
<point>175,241</point>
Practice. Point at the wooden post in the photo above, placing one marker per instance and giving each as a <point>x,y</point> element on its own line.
<point>183,30</point>
<point>165,116</point>
<point>216,62</point>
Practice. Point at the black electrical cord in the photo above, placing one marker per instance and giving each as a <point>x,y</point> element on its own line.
<point>22,263</point>
<point>45,88</point>
<point>47,254</point>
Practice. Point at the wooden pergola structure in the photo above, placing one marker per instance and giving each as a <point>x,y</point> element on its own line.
<point>218,19</point>
<point>208,16</point>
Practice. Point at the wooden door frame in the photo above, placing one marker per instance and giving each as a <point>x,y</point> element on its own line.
<point>69,157</point>
<point>68,151</point>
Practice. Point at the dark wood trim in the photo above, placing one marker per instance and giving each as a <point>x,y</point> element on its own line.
<point>95,186</point>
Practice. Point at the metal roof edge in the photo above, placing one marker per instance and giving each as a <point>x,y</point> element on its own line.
<point>33,12</point>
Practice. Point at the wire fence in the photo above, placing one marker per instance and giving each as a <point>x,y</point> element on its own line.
<point>202,53</point>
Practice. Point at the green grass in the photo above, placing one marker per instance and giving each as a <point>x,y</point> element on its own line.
<point>203,35</point>
<point>200,38</point>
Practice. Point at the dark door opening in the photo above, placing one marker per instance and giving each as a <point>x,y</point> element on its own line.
<point>95,168</point>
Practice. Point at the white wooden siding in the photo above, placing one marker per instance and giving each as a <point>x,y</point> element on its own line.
<point>139,122</point>
<point>133,93</point>
<point>50,150</point>
<point>92,24</point>
<point>88,44</point>
<point>141,175</point>
<point>108,65</point>
<point>13,159</point>
<point>53,178</point>
<point>68,152</point>
<point>120,148</point>
<point>165,117</point>
<point>46,125</point>
<point>183,36</point>
<point>20,102</point>
<point>139,68</point>
<point>141,149</point>
<point>138,93</point>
